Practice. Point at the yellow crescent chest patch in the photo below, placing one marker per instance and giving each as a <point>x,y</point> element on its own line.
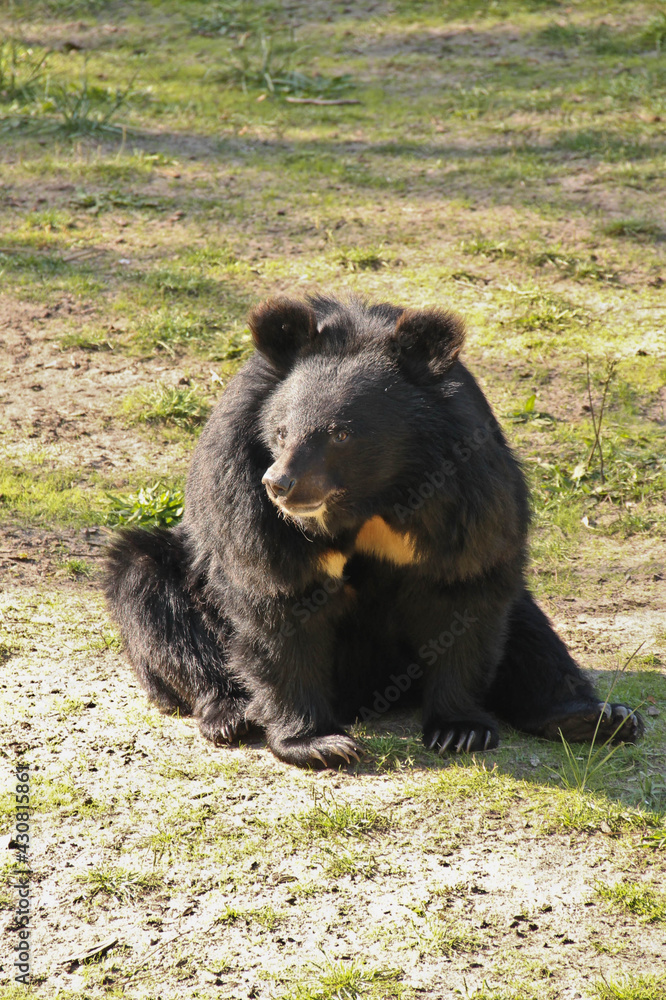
<point>333,562</point>
<point>376,538</point>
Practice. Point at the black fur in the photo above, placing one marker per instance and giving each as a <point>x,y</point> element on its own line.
<point>354,534</point>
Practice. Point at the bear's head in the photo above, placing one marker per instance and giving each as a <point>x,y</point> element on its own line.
<point>354,396</point>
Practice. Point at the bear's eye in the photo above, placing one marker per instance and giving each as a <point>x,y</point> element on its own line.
<point>340,436</point>
<point>281,435</point>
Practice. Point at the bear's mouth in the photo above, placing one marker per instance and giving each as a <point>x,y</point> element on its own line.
<point>303,510</point>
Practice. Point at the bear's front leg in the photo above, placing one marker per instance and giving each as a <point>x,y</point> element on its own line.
<point>288,671</point>
<point>460,642</point>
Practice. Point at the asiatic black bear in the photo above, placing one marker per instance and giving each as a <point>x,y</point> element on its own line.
<point>354,533</point>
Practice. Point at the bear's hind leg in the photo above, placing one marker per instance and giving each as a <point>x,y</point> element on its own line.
<point>177,654</point>
<point>540,688</point>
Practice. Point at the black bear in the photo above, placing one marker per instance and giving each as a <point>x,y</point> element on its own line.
<point>354,534</point>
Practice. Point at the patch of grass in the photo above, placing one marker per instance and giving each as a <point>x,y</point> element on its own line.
<point>363,258</point>
<point>648,987</point>
<point>76,109</point>
<point>441,935</point>
<point>22,70</point>
<point>644,902</point>
<point>155,506</point>
<point>174,330</point>
<point>45,497</point>
<point>76,568</point>
<point>634,229</point>
<point>230,17</point>
<point>122,884</point>
<point>547,311</point>
<point>390,752</point>
<point>343,863</point>
<point>273,62</point>
<point>327,818</point>
<point>183,406</point>
<point>572,266</point>
<point>482,246</point>
<point>64,799</point>
<point>339,980</point>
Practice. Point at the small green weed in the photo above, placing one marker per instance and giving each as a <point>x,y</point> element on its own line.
<point>273,63</point>
<point>22,71</point>
<point>164,404</point>
<point>154,506</point>
<point>646,903</point>
<point>76,568</point>
<point>577,773</point>
<point>229,18</point>
<point>83,109</point>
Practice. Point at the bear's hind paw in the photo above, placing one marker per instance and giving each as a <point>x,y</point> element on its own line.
<point>611,722</point>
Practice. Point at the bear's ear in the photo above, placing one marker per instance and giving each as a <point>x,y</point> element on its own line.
<point>280,328</point>
<point>427,342</point>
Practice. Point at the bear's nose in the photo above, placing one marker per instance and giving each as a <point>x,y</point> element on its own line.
<point>279,486</point>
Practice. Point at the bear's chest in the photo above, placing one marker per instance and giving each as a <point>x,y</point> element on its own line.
<point>378,540</point>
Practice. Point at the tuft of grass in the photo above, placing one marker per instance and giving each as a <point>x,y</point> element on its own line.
<point>644,902</point>
<point>155,506</point>
<point>482,246</point>
<point>76,568</point>
<point>22,70</point>
<point>122,884</point>
<point>391,752</point>
<point>329,819</point>
<point>631,988</point>
<point>633,228</point>
<point>441,935</point>
<point>339,865</point>
<point>339,980</point>
<point>183,406</point>
<point>363,258</point>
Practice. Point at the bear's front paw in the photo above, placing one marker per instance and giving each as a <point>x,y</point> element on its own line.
<point>460,736</point>
<point>332,750</point>
<point>223,721</point>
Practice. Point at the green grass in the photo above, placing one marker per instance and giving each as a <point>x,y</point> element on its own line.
<point>643,901</point>
<point>164,404</point>
<point>118,883</point>
<point>648,987</point>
